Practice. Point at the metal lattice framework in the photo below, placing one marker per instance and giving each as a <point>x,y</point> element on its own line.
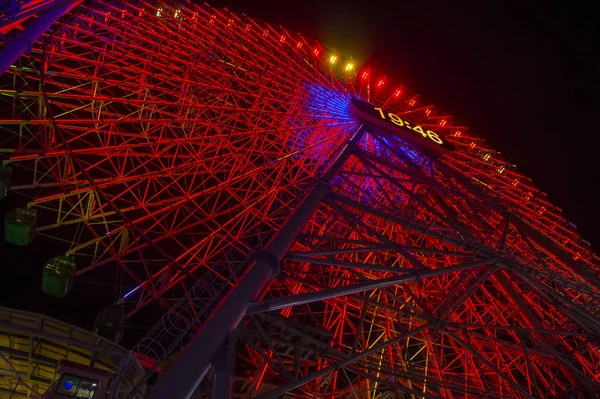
<point>167,144</point>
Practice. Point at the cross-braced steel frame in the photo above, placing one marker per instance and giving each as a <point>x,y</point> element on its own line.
<point>165,145</point>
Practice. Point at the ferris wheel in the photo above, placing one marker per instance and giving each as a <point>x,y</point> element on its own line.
<point>166,147</point>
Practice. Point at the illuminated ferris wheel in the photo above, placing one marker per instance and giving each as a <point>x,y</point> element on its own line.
<point>173,150</point>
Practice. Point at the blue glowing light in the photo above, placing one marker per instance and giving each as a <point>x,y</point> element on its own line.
<point>325,111</point>
<point>324,119</point>
<point>132,291</point>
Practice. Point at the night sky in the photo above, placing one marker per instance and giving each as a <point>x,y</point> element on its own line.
<point>525,76</point>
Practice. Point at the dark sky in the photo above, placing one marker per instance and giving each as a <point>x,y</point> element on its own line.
<point>525,76</point>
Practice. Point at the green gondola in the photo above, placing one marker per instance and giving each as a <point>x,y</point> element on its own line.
<point>58,276</point>
<point>19,226</point>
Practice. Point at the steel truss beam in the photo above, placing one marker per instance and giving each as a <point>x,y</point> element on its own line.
<point>280,303</point>
<point>338,365</point>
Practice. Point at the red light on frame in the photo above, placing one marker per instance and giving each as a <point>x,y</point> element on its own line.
<point>397,93</point>
<point>381,83</point>
<point>364,75</point>
<point>443,122</point>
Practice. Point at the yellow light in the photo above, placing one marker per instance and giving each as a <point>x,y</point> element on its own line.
<point>349,67</point>
<point>332,59</point>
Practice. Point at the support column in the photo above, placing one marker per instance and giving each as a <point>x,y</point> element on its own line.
<point>188,370</point>
<point>309,297</point>
<point>223,366</point>
<point>22,42</point>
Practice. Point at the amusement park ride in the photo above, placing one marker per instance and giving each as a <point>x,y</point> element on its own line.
<point>295,226</point>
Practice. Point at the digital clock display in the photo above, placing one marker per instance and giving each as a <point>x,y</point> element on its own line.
<point>392,123</point>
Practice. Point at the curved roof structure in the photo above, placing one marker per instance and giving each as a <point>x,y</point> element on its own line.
<point>32,345</point>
